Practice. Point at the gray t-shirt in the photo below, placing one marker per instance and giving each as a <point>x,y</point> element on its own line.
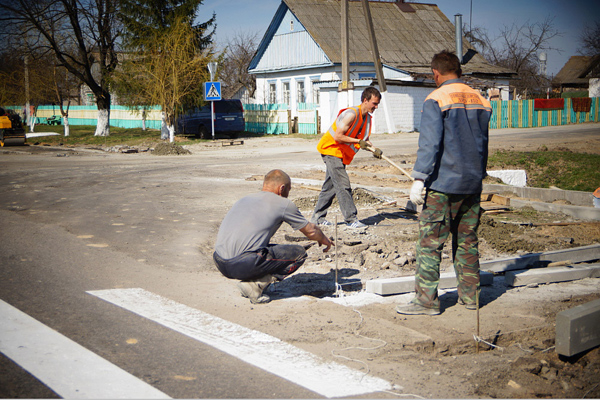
<point>253,220</point>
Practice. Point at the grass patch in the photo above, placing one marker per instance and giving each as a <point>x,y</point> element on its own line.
<point>563,169</point>
<point>83,135</point>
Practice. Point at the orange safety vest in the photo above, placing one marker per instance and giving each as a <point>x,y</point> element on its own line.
<point>360,129</point>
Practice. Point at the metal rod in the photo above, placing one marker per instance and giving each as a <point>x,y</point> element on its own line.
<point>477,303</point>
<point>336,258</point>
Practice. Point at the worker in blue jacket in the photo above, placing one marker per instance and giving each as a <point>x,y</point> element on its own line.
<point>451,164</point>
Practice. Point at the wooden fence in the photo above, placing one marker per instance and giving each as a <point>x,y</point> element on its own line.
<point>523,114</point>
<point>275,119</point>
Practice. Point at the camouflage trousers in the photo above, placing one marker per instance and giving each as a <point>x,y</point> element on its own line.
<point>444,214</point>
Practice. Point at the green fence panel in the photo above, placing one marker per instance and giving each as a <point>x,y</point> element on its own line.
<point>514,120</point>
<point>266,118</point>
<point>504,123</point>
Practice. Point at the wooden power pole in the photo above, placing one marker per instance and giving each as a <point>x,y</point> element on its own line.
<point>378,67</point>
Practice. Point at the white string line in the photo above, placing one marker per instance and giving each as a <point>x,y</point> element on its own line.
<point>384,343</point>
<point>416,396</point>
<point>479,339</point>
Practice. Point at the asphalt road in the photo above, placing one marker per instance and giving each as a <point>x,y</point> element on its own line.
<point>74,221</point>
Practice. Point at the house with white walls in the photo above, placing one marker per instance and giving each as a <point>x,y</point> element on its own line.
<point>299,60</point>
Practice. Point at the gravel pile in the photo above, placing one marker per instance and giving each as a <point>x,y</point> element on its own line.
<point>170,149</point>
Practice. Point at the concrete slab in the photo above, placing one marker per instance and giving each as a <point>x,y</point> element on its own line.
<point>513,177</point>
<point>586,213</point>
<point>550,275</point>
<point>578,329</point>
<point>575,255</point>
<point>406,284</point>
<point>574,197</point>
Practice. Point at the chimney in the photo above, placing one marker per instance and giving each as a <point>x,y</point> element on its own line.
<point>458,33</point>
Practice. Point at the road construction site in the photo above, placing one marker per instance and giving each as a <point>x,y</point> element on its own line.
<point>162,213</point>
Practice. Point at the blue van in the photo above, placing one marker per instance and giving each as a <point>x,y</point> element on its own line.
<point>229,120</point>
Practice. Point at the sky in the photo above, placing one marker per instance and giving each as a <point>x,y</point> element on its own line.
<point>235,17</point>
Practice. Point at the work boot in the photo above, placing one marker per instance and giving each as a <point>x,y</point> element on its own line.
<point>253,290</point>
<point>468,306</point>
<point>416,309</point>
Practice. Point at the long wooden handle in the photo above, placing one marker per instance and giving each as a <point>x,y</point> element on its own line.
<point>369,148</point>
<point>397,166</point>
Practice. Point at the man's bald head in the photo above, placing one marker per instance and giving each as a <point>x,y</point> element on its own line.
<point>278,182</point>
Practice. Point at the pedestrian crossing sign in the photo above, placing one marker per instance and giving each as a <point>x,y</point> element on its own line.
<point>212,91</point>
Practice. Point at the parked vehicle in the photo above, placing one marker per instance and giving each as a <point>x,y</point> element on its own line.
<point>54,120</point>
<point>229,120</point>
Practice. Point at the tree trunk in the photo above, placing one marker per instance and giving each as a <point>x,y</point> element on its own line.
<point>171,129</point>
<point>103,125</point>
<point>102,128</point>
<point>164,129</point>
<point>66,125</point>
<point>32,122</point>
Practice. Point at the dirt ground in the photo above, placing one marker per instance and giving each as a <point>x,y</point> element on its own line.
<point>519,362</point>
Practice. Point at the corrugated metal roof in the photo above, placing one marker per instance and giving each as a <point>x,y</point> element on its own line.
<point>406,40</point>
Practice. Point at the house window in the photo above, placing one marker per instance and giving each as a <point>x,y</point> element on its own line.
<point>286,92</point>
<point>300,87</point>
<point>316,94</point>
<point>272,93</point>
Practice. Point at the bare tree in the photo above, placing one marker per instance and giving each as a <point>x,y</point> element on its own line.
<point>517,48</point>
<point>24,80</point>
<point>64,87</point>
<point>81,34</point>
<point>233,72</point>
<point>590,40</point>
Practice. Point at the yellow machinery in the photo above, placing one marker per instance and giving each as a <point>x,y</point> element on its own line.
<point>12,132</point>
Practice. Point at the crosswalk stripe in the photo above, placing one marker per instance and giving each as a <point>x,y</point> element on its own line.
<point>66,367</point>
<point>326,378</point>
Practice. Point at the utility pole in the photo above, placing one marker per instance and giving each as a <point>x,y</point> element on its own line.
<point>346,85</point>
<point>378,67</point>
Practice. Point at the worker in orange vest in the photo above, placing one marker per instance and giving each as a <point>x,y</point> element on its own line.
<point>348,133</point>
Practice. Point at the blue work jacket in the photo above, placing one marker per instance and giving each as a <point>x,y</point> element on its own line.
<point>453,139</point>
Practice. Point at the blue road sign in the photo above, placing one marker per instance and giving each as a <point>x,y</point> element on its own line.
<point>212,91</point>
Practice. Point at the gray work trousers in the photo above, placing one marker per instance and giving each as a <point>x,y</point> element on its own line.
<point>337,184</point>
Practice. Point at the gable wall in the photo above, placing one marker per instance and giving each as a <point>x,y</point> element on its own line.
<point>291,47</point>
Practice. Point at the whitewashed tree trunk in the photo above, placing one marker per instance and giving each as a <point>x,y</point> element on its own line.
<point>164,130</point>
<point>171,129</point>
<point>66,125</point>
<point>32,123</point>
<point>103,129</point>
<point>144,120</point>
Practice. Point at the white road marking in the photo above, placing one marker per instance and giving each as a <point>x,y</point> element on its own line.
<point>66,367</point>
<point>326,378</point>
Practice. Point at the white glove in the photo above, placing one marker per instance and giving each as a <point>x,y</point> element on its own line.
<point>416,192</point>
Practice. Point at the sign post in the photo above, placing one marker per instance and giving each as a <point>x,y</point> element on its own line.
<point>212,92</point>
